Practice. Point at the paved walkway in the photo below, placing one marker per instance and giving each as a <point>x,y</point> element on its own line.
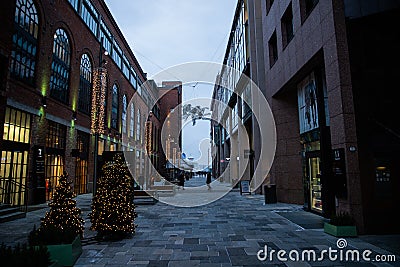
<point>228,232</point>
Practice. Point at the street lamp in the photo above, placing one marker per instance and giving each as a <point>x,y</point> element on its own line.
<point>98,109</point>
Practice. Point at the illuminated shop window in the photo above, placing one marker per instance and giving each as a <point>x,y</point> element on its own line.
<point>132,121</point>
<point>55,137</point>
<point>124,107</point>
<point>17,126</point>
<point>81,166</point>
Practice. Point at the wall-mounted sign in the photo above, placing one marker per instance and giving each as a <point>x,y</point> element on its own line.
<point>339,172</point>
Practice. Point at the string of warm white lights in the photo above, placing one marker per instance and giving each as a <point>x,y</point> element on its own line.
<point>113,210</point>
<point>149,137</point>
<point>98,100</point>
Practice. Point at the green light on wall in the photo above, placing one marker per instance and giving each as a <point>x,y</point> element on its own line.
<point>43,87</point>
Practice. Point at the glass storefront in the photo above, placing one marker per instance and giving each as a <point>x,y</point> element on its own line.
<point>81,164</point>
<point>14,156</point>
<point>314,175</point>
<point>55,153</point>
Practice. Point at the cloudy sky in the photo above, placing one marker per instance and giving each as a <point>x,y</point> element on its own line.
<point>164,33</point>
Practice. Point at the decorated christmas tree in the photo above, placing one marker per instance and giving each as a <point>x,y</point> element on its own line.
<point>113,211</point>
<point>63,222</point>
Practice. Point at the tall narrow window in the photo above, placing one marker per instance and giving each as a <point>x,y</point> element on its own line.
<point>124,107</point>
<point>85,84</point>
<point>287,26</point>
<point>306,7</point>
<point>60,67</point>
<point>269,5</point>
<point>115,107</point>
<point>138,129</point>
<point>23,55</point>
<point>132,122</point>
<point>273,49</point>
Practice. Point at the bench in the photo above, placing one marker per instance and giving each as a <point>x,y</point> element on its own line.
<point>164,190</point>
<point>145,197</point>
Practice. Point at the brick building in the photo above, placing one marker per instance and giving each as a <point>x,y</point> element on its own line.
<point>52,54</point>
<point>329,77</point>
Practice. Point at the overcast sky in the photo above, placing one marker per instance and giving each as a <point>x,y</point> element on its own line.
<point>164,33</point>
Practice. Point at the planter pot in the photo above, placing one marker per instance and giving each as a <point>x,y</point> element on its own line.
<point>65,254</point>
<point>340,231</point>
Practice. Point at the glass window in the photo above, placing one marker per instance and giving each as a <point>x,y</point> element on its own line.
<point>17,126</point>
<point>273,49</point>
<point>81,166</point>
<point>85,84</point>
<point>126,67</point>
<point>55,137</point>
<point>132,122</point>
<point>287,26</point>
<point>107,37</point>
<point>75,4</point>
<point>133,78</point>
<point>14,171</point>
<point>54,168</point>
<point>117,54</point>
<point>23,55</point>
<point>307,104</point>
<point>138,129</point>
<point>124,107</point>
<point>60,67</point>
<point>90,16</point>
<point>115,107</point>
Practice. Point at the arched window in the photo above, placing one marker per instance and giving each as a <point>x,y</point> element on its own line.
<point>124,107</point>
<point>59,87</point>
<point>115,107</point>
<point>85,84</point>
<point>23,55</point>
<point>132,123</point>
<point>138,130</point>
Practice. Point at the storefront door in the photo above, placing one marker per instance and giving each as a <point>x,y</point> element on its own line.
<point>13,172</point>
<point>313,181</point>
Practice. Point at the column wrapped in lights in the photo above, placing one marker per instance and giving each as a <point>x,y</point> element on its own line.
<point>149,137</point>
<point>98,112</point>
<point>98,100</point>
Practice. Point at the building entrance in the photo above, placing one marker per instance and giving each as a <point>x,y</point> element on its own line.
<point>313,179</point>
<point>13,172</point>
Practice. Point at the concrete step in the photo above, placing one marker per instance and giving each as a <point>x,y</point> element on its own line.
<point>8,210</point>
<point>12,216</point>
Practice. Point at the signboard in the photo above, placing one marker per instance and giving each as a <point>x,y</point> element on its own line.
<point>245,187</point>
<point>39,165</point>
<point>39,182</point>
<point>339,172</point>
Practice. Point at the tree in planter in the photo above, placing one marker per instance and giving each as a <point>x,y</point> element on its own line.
<point>113,211</point>
<point>63,222</point>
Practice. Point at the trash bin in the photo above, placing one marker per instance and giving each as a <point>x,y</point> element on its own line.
<point>270,194</point>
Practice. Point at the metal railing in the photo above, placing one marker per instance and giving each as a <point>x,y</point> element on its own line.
<point>13,193</point>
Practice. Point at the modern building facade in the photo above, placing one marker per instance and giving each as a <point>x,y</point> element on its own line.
<point>232,119</point>
<point>54,56</point>
<point>329,77</point>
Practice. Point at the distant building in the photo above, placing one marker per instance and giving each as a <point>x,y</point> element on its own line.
<point>170,93</point>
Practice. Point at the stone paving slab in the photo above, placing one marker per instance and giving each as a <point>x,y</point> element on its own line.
<point>228,232</point>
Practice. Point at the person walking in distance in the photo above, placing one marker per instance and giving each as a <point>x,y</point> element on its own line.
<point>208,180</point>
